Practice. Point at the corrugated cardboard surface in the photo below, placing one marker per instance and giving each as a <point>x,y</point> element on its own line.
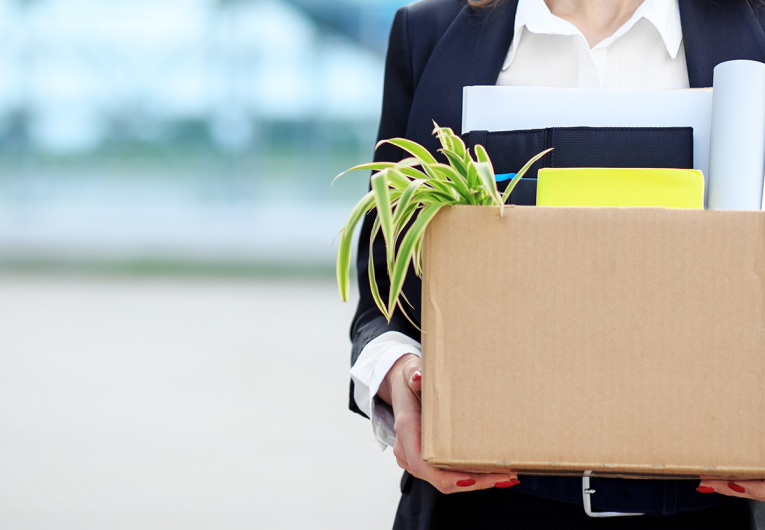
<point>629,342</point>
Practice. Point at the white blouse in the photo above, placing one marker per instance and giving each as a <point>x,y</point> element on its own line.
<point>645,52</point>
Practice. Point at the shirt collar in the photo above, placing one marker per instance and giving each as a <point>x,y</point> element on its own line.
<point>535,16</point>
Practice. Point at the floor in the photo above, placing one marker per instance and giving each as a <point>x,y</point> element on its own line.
<point>182,403</point>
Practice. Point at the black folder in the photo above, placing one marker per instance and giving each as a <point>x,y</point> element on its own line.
<point>646,147</point>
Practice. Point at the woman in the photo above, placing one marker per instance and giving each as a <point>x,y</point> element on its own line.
<point>436,48</point>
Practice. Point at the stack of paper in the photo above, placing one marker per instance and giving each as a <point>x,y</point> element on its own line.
<point>728,128</point>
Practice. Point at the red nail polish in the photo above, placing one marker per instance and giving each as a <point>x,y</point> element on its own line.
<point>705,489</point>
<point>507,483</point>
<point>417,376</point>
<point>465,483</point>
<point>736,487</point>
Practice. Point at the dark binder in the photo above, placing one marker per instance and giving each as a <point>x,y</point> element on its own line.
<point>647,147</point>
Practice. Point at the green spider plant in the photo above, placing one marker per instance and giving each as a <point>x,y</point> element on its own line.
<point>412,191</point>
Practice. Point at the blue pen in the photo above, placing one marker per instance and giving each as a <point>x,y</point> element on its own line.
<point>504,176</point>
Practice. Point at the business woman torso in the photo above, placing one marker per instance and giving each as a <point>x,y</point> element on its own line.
<point>436,48</point>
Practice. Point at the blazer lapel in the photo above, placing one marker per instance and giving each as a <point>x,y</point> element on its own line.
<point>715,32</point>
<point>471,52</point>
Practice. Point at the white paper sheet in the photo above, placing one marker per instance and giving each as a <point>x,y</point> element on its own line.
<point>501,108</point>
<point>737,152</point>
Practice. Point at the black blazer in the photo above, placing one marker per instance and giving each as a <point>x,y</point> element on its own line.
<point>436,48</point>
<point>439,46</point>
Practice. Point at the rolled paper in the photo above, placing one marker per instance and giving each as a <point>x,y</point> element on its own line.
<point>737,150</point>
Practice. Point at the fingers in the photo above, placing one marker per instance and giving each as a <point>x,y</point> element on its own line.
<point>455,481</point>
<point>407,452</point>
<point>746,489</point>
<point>449,482</point>
<point>415,381</point>
<point>396,378</point>
<point>407,447</point>
<point>412,374</point>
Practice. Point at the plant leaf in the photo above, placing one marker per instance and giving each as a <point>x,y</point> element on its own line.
<point>520,174</point>
<point>403,312</point>
<point>406,199</point>
<point>456,162</point>
<point>417,257</point>
<point>405,164</point>
<point>443,190</point>
<point>459,181</point>
<point>372,166</point>
<point>489,183</point>
<point>459,146</point>
<point>404,255</point>
<point>410,147</point>
<point>343,268</point>
<point>481,155</point>
<point>407,196</point>
<point>485,171</point>
<point>449,140</point>
<point>373,287</point>
<point>472,175</point>
<point>381,192</point>
<point>455,145</point>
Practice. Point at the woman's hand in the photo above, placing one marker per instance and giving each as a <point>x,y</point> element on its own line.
<point>747,489</point>
<point>401,389</point>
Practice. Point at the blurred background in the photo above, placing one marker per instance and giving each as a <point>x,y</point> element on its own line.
<point>173,351</point>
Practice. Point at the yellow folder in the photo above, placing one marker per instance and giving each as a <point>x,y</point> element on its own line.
<point>669,188</point>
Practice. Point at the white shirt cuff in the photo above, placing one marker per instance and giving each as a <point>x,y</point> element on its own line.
<point>371,367</point>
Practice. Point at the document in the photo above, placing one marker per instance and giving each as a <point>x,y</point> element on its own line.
<point>501,108</point>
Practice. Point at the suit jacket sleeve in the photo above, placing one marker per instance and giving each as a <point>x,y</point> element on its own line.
<point>398,92</point>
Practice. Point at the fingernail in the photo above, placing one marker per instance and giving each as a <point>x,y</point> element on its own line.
<point>507,483</point>
<point>705,489</point>
<point>465,483</point>
<point>736,487</point>
<point>417,376</point>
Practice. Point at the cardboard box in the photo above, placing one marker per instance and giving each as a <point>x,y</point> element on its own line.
<point>628,342</point>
